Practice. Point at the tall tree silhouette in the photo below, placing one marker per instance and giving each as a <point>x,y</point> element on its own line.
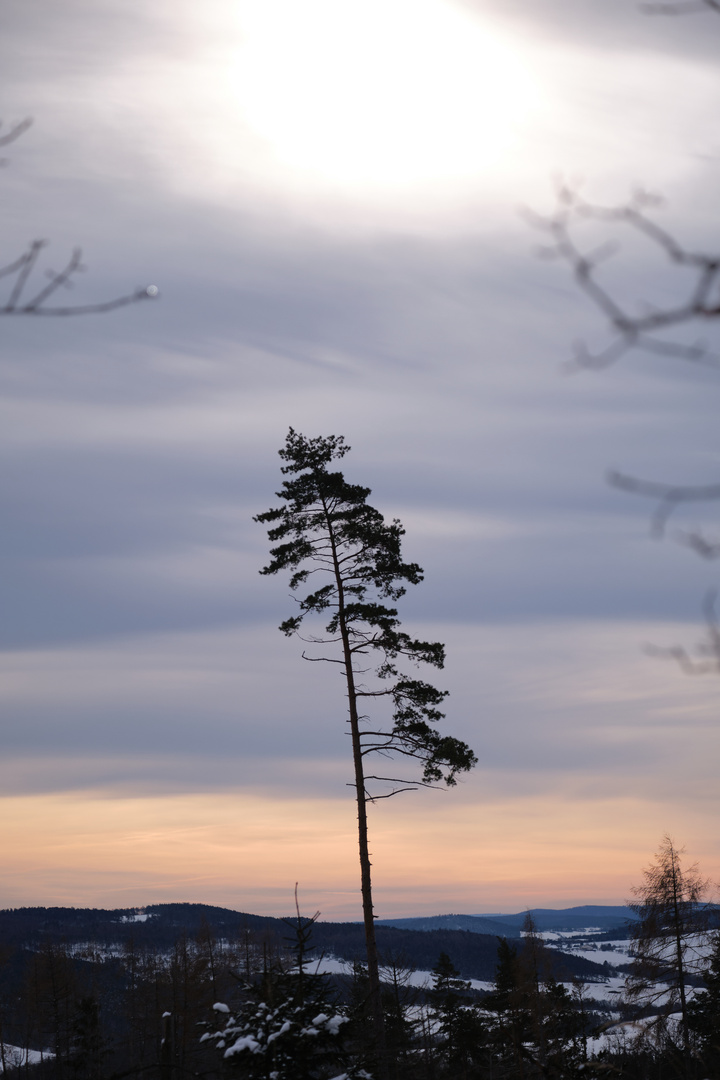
<point>329,538</point>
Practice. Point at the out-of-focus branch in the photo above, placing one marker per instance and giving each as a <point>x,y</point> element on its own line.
<point>708,650</point>
<point>692,7</point>
<point>697,542</point>
<point>21,270</point>
<point>15,132</point>
<point>669,497</point>
<point>702,299</point>
<point>699,302</point>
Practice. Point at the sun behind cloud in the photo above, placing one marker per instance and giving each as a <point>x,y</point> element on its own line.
<point>378,94</point>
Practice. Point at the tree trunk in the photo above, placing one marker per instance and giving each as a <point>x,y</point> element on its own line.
<point>365,878</point>
<point>680,962</point>
<point>366,890</point>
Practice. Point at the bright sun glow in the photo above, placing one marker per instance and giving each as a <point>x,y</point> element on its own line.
<point>378,94</point>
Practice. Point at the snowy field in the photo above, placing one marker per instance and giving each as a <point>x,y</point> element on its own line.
<point>14,1057</point>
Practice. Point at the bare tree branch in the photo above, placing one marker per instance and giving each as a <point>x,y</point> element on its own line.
<point>638,331</point>
<point>412,786</point>
<point>708,651</point>
<point>697,542</point>
<point>15,132</point>
<point>668,497</point>
<point>22,270</point>
<point>701,302</point>
<point>23,267</point>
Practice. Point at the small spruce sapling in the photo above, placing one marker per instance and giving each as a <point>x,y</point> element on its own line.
<point>286,1025</point>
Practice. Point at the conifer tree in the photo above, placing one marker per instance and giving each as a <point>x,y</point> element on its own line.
<point>331,540</point>
<point>458,1027</point>
<point>286,1026</point>
<point>667,945</point>
<point>704,1012</point>
<point>510,1001</point>
<point>538,1029</point>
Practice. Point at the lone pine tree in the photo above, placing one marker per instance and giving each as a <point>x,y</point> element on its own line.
<point>346,562</point>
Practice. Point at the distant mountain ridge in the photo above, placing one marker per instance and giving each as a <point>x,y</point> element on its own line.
<point>587,917</point>
<point>470,941</point>
<point>602,916</point>
<point>475,924</point>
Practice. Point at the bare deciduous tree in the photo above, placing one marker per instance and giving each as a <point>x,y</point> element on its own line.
<point>668,939</point>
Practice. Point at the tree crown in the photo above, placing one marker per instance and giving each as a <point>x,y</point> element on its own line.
<point>328,536</point>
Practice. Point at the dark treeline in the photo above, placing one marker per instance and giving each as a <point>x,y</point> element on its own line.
<point>474,955</point>
<point>243,999</point>
<point>158,925</point>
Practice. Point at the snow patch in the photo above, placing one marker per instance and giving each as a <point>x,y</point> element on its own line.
<point>139,915</point>
<point>15,1057</point>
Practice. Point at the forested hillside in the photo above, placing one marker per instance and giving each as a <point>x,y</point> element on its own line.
<point>172,989</point>
<point>160,926</point>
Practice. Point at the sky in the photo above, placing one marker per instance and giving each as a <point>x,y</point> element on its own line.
<point>332,200</point>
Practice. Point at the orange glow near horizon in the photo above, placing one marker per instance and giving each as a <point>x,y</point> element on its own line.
<point>246,852</point>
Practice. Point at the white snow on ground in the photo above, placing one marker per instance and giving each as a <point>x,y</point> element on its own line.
<point>330,965</point>
<point>90,950</point>
<point>626,1032</point>
<point>15,1056</point>
<point>616,955</point>
<point>608,989</point>
<point>575,942</point>
<point>567,935</point>
<point>424,979</point>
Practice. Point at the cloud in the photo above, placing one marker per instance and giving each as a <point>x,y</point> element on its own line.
<point>141,664</point>
<point>549,699</point>
<point>613,26</point>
